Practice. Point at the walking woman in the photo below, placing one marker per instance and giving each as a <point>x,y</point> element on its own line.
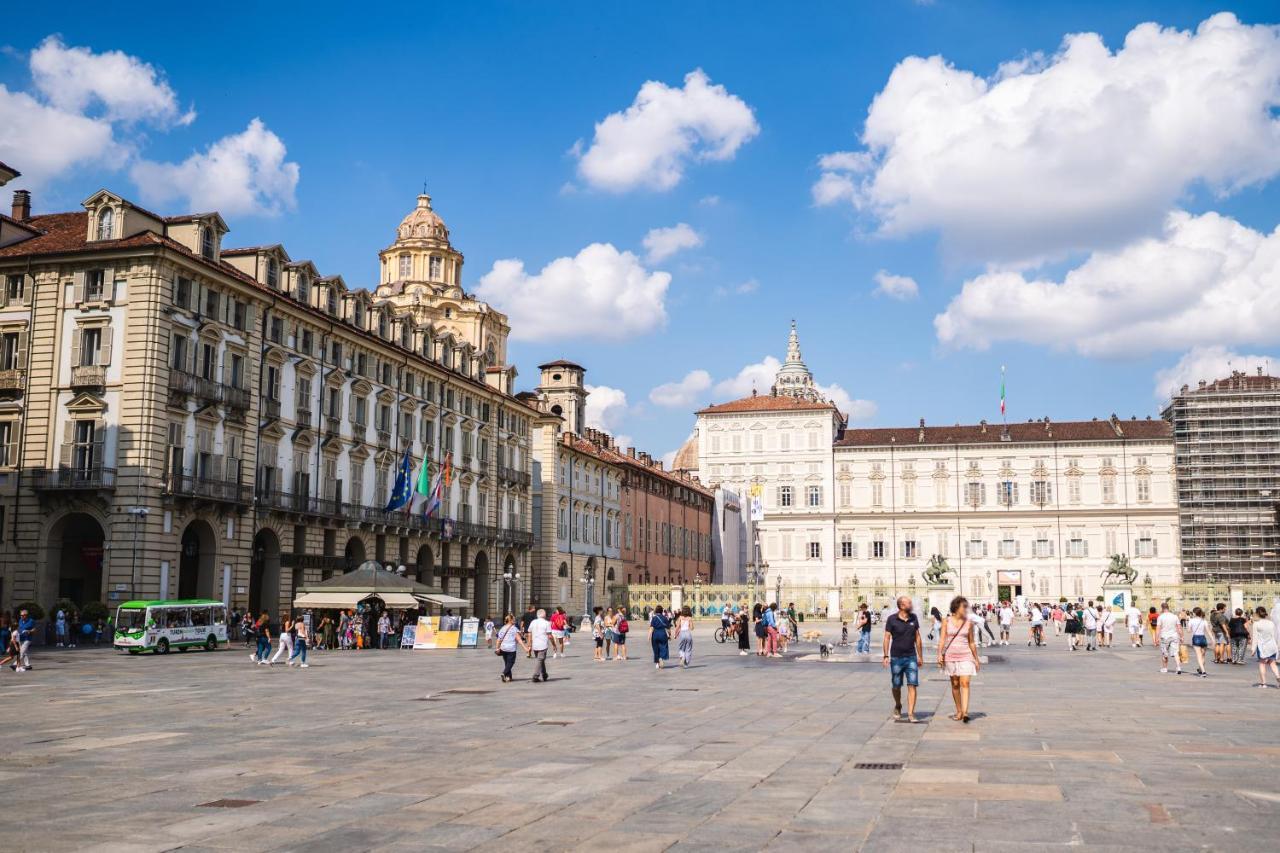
<point>286,640</point>
<point>1199,628</point>
<point>1262,634</point>
<point>684,636</point>
<point>1238,633</point>
<point>609,621</point>
<point>744,632</point>
<point>659,635</point>
<point>300,637</point>
<point>958,655</point>
<point>758,626</point>
<point>262,628</point>
<point>508,634</point>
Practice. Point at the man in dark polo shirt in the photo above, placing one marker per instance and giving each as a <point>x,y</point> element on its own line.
<point>903,655</point>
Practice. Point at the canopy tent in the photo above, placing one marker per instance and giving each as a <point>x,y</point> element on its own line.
<point>446,600</point>
<point>370,579</point>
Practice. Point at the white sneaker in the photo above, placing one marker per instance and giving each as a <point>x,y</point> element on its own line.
<point>1164,669</point>
<point>306,665</point>
<point>741,652</point>
<point>254,658</point>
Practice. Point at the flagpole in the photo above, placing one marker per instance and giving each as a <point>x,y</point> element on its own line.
<point>1004,419</point>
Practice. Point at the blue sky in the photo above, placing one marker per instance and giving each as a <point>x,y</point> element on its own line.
<point>485,102</point>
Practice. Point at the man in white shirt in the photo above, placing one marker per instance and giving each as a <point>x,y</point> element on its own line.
<point>1006,622</point>
<point>1090,628</point>
<point>979,622</point>
<point>536,640</point>
<point>1133,622</point>
<point>1169,635</point>
<point>1106,625</point>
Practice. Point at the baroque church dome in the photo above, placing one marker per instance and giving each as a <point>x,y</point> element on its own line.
<point>423,223</point>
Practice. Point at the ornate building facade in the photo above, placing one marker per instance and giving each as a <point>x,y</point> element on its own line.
<point>1033,509</point>
<point>189,419</point>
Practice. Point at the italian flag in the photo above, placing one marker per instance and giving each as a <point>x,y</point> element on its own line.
<point>1002,390</point>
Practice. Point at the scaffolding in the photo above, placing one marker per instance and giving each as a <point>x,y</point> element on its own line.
<point>1226,437</point>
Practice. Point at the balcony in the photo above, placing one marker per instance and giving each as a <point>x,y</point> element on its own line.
<point>91,478</point>
<point>88,376</point>
<point>13,380</point>
<point>236,398</point>
<point>513,476</point>
<point>270,409</point>
<point>206,390</point>
<point>281,501</point>
<point>303,415</point>
<point>207,488</point>
<point>384,439</point>
<point>332,427</point>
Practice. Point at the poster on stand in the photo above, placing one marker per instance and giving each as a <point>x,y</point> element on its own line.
<point>425,633</point>
<point>470,634</point>
<point>407,635</point>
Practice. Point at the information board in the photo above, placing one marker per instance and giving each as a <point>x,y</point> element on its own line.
<point>425,633</point>
<point>470,633</point>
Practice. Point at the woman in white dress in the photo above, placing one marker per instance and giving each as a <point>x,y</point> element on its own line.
<point>958,655</point>
<point>1262,637</point>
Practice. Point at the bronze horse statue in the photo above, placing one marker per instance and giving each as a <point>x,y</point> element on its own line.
<point>937,570</point>
<point>1120,569</point>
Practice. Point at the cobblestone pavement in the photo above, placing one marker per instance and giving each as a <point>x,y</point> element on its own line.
<point>427,750</point>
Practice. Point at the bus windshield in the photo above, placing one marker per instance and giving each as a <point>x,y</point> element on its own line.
<point>131,619</point>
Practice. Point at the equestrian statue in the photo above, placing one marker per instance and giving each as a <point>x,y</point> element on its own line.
<point>938,568</point>
<point>1120,569</point>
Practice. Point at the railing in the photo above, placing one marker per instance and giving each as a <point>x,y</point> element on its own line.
<point>236,398</point>
<point>305,504</point>
<point>303,416</point>
<point>332,426</point>
<point>92,478</point>
<point>384,439</point>
<point>513,475</point>
<point>189,485</point>
<point>88,376</point>
<point>13,380</point>
<point>271,408</point>
<point>208,390</point>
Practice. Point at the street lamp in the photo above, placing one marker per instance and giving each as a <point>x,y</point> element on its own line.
<point>510,578</point>
<point>138,513</point>
<point>697,592</point>
<point>778,593</point>
<point>589,581</point>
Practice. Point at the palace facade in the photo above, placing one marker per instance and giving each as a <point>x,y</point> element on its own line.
<point>1035,508</point>
<point>183,418</point>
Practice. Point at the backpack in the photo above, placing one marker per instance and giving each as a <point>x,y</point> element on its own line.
<point>622,626</point>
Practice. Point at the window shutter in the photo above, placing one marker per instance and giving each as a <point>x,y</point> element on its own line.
<point>249,319</point>
<point>984,547</point>
<point>77,287</point>
<point>1017,548</point>
<point>1155,545</point>
<point>1136,550</point>
<point>226,369</point>
<point>21,355</point>
<point>1050,547</point>
<point>68,441</point>
<point>104,351</point>
<point>108,284</point>
<point>11,451</point>
<point>214,471</point>
<point>76,334</point>
<point>99,442</point>
<point>4,295</point>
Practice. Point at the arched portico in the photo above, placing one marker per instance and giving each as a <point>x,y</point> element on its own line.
<point>197,561</point>
<point>264,573</point>
<point>73,563</point>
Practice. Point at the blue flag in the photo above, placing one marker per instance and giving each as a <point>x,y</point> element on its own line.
<point>403,490</point>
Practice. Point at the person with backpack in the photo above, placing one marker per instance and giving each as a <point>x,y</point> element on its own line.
<point>262,631</point>
<point>620,628</point>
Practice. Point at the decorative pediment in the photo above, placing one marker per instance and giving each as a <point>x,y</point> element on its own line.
<point>87,404</point>
<point>386,458</point>
<point>1040,471</point>
<point>1073,470</point>
<point>335,378</point>
<point>209,414</point>
<point>1142,470</point>
<point>332,444</point>
<point>485,429</point>
<point>466,480</point>
<point>304,367</point>
<point>757,425</point>
<point>273,430</point>
<point>303,437</point>
<point>361,388</point>
<point>430,410</point>
<point>408,404</point>
<point>450,419</point>
<point>275,355</point>
<point>876,475</point>
<point>358,453</point>
<point>386,395</point>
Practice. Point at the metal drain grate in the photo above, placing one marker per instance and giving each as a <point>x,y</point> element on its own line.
<point>466,691</point>
<point>429,699</point>
<point>227,804</point>
<point>555,722</point>
<point>683,689</point>
<point>878,766</point>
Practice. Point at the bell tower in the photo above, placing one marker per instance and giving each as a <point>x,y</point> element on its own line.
<point>563,390</point>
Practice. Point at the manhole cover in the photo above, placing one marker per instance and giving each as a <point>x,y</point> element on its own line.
<point>227,804</point>
<point>555,722</point>
<point>878,766</point>
<point>467,691</point>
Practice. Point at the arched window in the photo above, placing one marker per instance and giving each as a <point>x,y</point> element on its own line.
<point>564,571</point>
<point>106,224</point>
<point>206,243</point>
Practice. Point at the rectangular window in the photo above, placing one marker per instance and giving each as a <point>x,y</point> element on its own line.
<point>784,496</point>
<point>1144,489</point>
<point>813,496</point>
<point>90,345</point>
<point>975,494</point>
<point>95,284</point>
<point>877,494</point>
<point>181,347</point>
<point>1042,547</point>
<point>976,547</point>
<point>1073,490</point>
<point>846,546</point>
<point>182,292</point>
<point>13,351</point>
<point>15,289</point>
<point>1008,493</point>
<point>877,548</point>
<point>8,456</point>
<point>908,492</point>
<point>212,302</point>
<point>910,549</point>
<point>1145,544</point>
<point>1008,546</point>
<point>1041,492</point>
<point>1108,488</point>
<point>1077,546</point>
<point>815,550</point>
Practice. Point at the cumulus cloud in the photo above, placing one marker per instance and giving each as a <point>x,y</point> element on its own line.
<point>651,143</point>
<point>684,393</point>
<point>1205,363</point>
<point>242,173</point>
<point>759,377</point>
<point>1085,149</point>
<point>76,80</point>
<point>899,287</point>
<point>746,288</point>
<point>662,243</point>
<point>607,410</point>
<point>43,141</point>
<point>600,293</point>
<point>1206,280</point>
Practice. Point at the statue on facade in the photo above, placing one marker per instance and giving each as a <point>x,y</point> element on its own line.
<point>1120,569</point>
<point>937,570</point>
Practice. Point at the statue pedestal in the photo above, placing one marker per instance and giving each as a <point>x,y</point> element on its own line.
<point>1117,596</point>
<point>939,595</point>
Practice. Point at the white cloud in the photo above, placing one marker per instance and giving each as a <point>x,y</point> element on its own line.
<point>760,375</point>
<point>662,243</point>
<point>899,287</point>
<point>77,80</point>
<point>709,201</point>
<point>654,140</point>
<point>43,141</point>
<point>1206,280</point>
<point>747,288</point>
<point>242,173</point>
<point>1205,363</point>
<point>1085,149</point>
<point>682,394</point>
<point>600,293</point>
<point>607,410</point>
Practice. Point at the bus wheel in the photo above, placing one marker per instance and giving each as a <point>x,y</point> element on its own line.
<point>211,644</point>
<point>162,646</point>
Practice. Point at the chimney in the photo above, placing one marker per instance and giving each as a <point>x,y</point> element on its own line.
<point>921,434</point>
<point>631,451</point>
<point>983,425</point>
<point>21,205</point>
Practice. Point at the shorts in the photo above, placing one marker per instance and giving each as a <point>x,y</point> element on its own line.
<point>1200,640</point>
<point>619,639</point>
<point>959,667</point>
<point>559,635</point>
<point>1169,647</point>
<point>1267,659</point>
<point>599,642</point>
<point>904,668</point>
<point>1135,629</point>
<point>1219,638</point>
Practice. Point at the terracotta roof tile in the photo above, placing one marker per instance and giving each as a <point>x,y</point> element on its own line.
<point>1239,382</point>
<point>765,403</point>
<point>613,457</point>
<point>560,362</point>
<point>1036,431</point>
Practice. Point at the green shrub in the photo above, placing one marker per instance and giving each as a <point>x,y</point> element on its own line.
<point>93,611</point>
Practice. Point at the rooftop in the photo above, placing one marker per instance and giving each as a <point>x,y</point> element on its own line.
<point>765,403</point>
<point>1045,430</point>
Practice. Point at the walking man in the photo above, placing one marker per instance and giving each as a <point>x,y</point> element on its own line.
<point>864,629</point>
<point>1218,623</point>
<point>1133,623</point>
<point>537,638</point>
<point>525,621</point>
<point>1106,625</point>
<point>1169,630</point>
<point>1006,622</point>
<point>903,655</point>
<point>26,627</point>
<point>1090,628</point>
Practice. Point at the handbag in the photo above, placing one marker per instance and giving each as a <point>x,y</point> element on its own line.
<point>1183,654</point>
<point>498,651</point>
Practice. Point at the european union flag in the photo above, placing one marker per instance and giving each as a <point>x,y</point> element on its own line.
<point>403,490</point>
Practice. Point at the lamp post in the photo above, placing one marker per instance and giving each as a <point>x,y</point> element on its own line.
<point>589,583</point>
<point>778,590</point>
<point>510,578</point>
<point>138,513</point>
<point>697,593</point>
